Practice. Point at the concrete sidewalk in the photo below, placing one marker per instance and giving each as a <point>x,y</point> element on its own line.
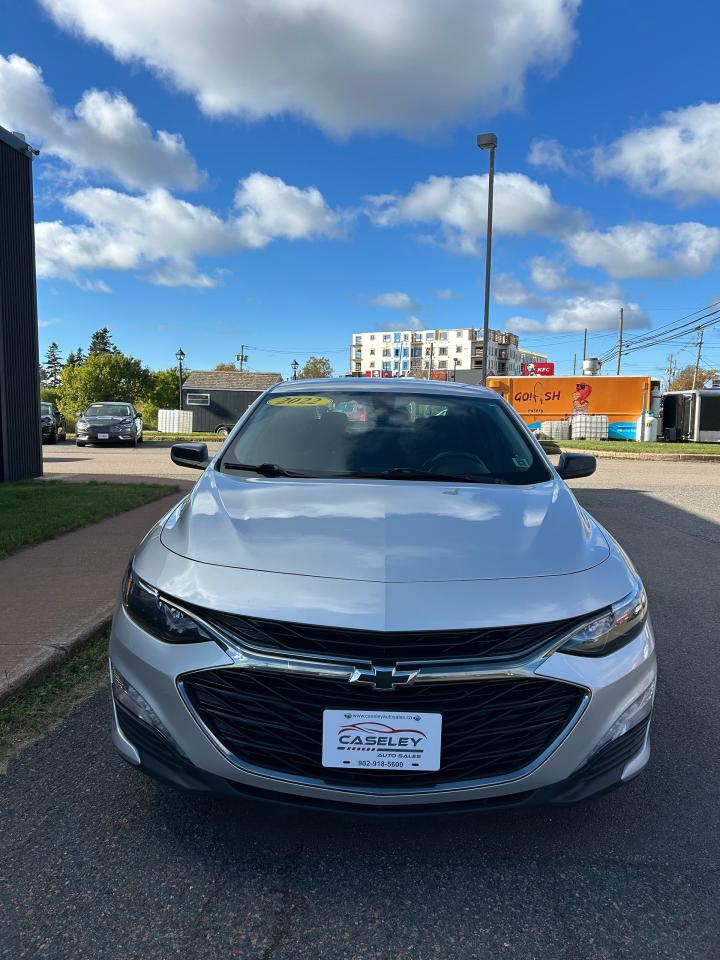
<point>60,593</point>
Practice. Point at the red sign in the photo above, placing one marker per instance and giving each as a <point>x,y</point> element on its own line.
<point>538,369</point>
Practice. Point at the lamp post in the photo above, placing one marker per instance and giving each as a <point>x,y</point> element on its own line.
<point>294,366</point>
<point>180,356</point>
<point>456,364</point>
<point>487,141</point>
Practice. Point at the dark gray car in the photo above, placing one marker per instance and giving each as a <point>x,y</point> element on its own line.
<point>109,422</point>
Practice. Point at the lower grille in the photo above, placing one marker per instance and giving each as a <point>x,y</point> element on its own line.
<point>491,728</point>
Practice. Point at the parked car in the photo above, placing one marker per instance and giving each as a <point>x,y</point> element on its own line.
<point>52,423</point>
<point>404,609</point>
<point>109,422</point>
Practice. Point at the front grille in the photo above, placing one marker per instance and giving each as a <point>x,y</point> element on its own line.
<point>495,644</point>
<point>491,728</point>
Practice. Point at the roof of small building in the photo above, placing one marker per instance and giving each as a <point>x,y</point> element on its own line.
<point>230,380</point>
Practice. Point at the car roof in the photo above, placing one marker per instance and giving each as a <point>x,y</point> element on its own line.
<point>397,385</point>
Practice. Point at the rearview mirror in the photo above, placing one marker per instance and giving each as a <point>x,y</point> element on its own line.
<point>572,466</point>
<point>194,455</point>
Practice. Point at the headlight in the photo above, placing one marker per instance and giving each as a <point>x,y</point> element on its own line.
<point>47,420</point>
<point>612,630</point>
<point>82,424</point>
<point>158,616</point>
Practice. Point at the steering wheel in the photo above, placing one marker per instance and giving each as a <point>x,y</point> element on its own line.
<point>470,458</point>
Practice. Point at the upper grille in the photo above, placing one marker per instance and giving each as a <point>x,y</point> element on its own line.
<point>273,720</point>
<point>495,644</point>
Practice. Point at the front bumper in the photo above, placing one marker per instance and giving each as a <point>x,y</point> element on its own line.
<point>188,756</point>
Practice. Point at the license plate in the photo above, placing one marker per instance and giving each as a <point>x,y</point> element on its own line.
<point>374,740</point>
<point>103,436</point>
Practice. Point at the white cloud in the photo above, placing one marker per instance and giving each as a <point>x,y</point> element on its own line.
<point>648,250</point>
<point>156,229</point>
<point>49,323</point>
<point>102,133</point>
<point>510,292</point>
<point>407,65</point>
<point>579,313</point>
<point>548,153</point>
<point>458,206</point>
<point>408,323</point>
<point>395,300</point>
<point>547,275</point>
<point>446,293</point>
<point>679,157</point>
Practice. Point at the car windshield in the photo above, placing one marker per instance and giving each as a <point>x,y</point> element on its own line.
<point>108,410</point>
<point>45,410</point>
<point>384,434</point>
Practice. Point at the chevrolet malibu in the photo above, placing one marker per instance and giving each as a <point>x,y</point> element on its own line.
<point>381,595</point>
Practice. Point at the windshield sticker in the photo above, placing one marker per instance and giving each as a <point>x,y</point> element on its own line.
<point>521,463</point>
<point>297,401</point>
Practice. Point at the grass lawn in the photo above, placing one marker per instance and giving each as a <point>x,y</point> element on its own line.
<point>32,511</point>
<point>28,716</point>
<point>631,446</point>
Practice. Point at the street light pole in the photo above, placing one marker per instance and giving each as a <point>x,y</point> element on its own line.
<point>294,366</point>
<point>456,361</point>
<point>180,356</point>
<point>487,141</point>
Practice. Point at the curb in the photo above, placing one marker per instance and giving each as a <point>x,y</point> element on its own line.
<point>623,455</point>
<point>47,658</point>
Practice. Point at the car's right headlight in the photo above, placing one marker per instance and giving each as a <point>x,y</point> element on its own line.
<point>82,424</point>
<point>159,616</point>
<point>612,629</point>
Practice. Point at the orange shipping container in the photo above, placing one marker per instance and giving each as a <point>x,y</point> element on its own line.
<point>559,398</point>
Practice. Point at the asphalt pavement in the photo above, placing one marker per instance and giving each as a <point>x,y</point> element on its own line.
<point>97,861</point>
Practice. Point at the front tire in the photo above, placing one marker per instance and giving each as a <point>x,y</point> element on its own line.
<point>53,437</point>
<point>221,432</point>
<point>79,443</point>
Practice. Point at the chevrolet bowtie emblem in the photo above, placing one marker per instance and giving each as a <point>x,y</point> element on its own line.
<point>383,678</point>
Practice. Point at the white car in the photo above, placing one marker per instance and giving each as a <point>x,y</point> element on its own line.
<point>381,594</point>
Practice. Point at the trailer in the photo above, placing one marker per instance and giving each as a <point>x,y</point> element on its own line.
<point>621,400</point>
<point>218,398</point>
<point>691,415</point>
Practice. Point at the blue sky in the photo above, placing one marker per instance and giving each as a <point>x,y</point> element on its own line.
<point>217,174</point>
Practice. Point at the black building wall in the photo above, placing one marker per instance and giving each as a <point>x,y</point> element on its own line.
<point>223,407</point>
<point>20,443</point>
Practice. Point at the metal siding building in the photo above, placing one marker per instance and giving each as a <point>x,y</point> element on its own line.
<point>218,398</point>
<point>20,443</point>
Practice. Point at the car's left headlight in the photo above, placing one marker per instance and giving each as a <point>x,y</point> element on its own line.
<point>610,630</point>
<point>159,616</point>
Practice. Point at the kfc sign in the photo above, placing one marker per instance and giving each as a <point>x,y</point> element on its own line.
<point>538,369</point>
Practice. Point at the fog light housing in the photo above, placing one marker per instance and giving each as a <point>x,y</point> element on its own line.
<point>638,710</point>
<point>130,697</point>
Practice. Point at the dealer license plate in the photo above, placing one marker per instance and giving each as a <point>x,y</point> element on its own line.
<point>375,740</point>
<point>103,436</point>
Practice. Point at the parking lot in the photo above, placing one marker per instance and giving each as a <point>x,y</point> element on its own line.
<point>99,861</point>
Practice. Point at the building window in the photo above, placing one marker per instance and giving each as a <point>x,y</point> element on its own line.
<point>428,336</point>
<point>416,352</point>
<point>397,337</point>
<point>404,364</point>
<point>386,353</point>
<point>458,349</point>
<point>358,339</point>
<point>386,365</point>
<point>396,365</point>
<point>443,335</point>
<point>372,353</point>
<point>443,351</point>
<point>197,399</point>
<point>372,364</point>
<point>396,352</point>
<point>442,364</point>
<point>459,333</point>
<point>386,338</point>
<point>372,336</point>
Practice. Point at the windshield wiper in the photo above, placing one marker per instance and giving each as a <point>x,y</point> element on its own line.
<point>264,469</point>
<point>408,473</point>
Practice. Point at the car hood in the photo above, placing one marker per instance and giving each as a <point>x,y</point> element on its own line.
<point>386,531</point>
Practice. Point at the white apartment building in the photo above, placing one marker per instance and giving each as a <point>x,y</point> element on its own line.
<point>407,353</point>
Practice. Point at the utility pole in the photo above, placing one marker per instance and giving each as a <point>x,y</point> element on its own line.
<point>585,343</point>
<point>241,357</point>
<point>670,370</point>
<point>697,361</point>
<point>574,363</point>
<point>620,331</point>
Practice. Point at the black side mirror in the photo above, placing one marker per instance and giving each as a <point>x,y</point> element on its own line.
<point>572,466</point>
<point>194,455</point>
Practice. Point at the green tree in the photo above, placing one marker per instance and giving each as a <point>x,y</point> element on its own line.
<point>226,366</point>
<point>75,358</point>
<point>316,367</point>
<point>53,365</point>
<point>101,342</point>
<point>683,379</point>
<point>104,376</point>
<point>164,393</point>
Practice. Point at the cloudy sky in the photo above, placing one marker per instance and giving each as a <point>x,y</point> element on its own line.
<point>282,173</point>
